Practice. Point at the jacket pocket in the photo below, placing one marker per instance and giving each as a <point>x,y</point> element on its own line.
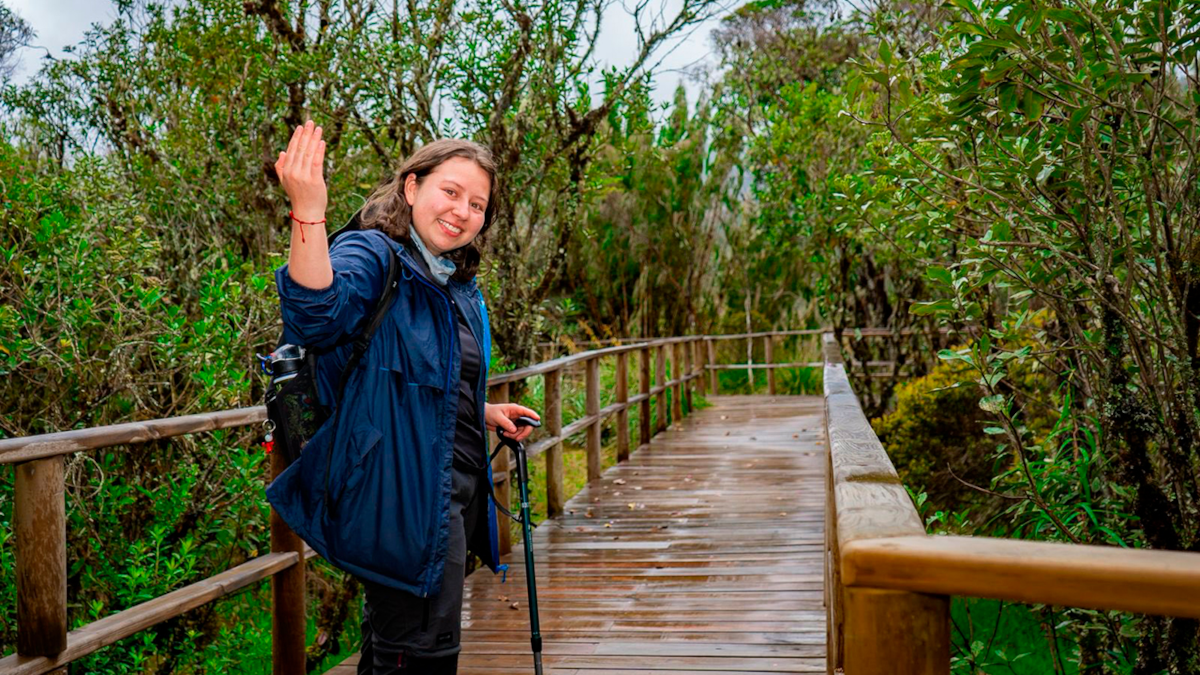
<point>359,447</point>
<point>417,361</point>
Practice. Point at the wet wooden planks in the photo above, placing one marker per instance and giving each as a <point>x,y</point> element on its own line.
<point>701,554</point>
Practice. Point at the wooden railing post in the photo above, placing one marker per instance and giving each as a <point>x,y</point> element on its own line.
<point>644,414</point>
<point>40,515</point>
<point>689,349</point>
<point>713,378</point>
<point>288,611</point>
<point>660,380</point>
<point>623,414</point>
<point>554,458</point>
<point>677,375</point>
<point>896,632</point>
<point>593,409</point>
<point>872,630</point>
<point>768,353</point>
<point>501,467</point>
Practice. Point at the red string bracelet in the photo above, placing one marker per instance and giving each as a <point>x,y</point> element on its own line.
<point>302,223</point>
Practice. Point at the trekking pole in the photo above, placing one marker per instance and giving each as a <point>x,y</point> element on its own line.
<point>518,449</point>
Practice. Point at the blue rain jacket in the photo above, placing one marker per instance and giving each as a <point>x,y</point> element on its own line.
<point>389,476</point>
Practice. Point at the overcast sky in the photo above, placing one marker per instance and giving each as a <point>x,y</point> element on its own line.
<point>60,23</point>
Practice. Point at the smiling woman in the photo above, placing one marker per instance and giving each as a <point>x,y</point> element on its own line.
<point>400,497</point>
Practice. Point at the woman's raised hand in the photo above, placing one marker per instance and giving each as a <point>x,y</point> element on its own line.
<point>300,173</point>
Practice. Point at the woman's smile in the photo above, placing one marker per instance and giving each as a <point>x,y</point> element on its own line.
<point>450,229</point>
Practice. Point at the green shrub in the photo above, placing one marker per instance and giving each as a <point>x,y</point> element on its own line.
<point>935,434</point>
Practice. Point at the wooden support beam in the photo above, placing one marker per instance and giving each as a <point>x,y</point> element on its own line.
<point>768,354</point>
<point>552,420</point>
<point>659,378</point>
<point>623,413</point>
<point>871,630</point>
<point>688,348</point>
<point>500,469</point>
<point>288,611</point>
<point>593,408</point>
<point>834,597</point>
<point>713,376</point>
<point>896,633</point>
<point>677,375</point>
<point>644,411</point>
<point>40,515</point>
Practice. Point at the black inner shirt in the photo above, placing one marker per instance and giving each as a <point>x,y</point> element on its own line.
<point>469,450</point>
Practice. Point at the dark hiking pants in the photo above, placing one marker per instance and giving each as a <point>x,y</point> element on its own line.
<point>407,635</point>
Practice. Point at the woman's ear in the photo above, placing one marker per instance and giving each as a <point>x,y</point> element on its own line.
<point>410,189</point>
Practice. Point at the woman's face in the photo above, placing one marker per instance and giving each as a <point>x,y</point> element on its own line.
<point>449,204</point>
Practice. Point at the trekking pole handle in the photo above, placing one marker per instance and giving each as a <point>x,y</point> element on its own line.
<point>521,421</point>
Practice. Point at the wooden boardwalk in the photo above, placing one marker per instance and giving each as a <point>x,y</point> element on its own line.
<point>701,554</point>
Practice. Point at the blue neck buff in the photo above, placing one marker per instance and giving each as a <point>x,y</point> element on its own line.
<point>439,268</point>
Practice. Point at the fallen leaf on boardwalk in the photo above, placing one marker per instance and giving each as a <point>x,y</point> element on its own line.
<point>753,438</point>
<point>632,506</point>
<point>595,499</point>
<point>724,417</point>
<point>676,513</point>
<point>637,488</point>
<point>619,481</point>
<point>795,435</point>
<point>588,515</point>
<point>572,512</point>
<point>581,528</point>
<point>726,433</point>
<point>617,493</point>
<point>608,524</point>
<point>503,598</point>
<point>515,605</point>
<point>783,513</point>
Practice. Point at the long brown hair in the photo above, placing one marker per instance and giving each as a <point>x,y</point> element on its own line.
<point>388,211</point>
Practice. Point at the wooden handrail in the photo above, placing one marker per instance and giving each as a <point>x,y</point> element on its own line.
<point>25,448</point>
<point>871,630</point>
<point>1070,575</point>
<point>110,629</point>
<point>888,582</point>
<point>47,645</point>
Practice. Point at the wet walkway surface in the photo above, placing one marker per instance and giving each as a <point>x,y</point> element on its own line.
<point>701,554</point>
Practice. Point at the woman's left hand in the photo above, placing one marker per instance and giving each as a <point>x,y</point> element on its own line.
<point>502,414</point>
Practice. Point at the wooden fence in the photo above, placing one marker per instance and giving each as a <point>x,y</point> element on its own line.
<point>882,527</point>
<point>44,644</point>
<point>888,584</point>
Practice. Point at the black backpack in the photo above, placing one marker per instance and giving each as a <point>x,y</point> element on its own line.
<point>294,412</point>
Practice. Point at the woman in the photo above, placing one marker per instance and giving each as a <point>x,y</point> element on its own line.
<point>397,491</point>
